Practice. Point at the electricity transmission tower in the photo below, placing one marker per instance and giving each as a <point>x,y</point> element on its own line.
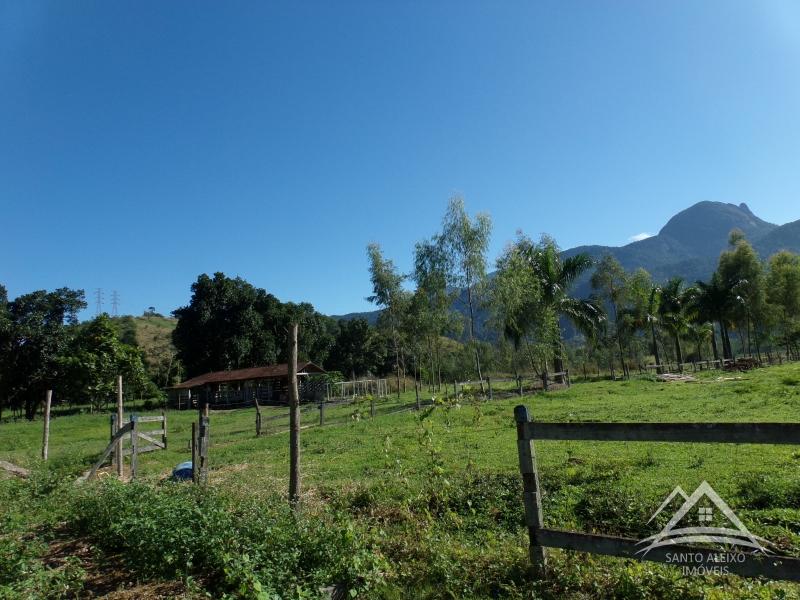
<point>98,299</point>
<point>115,303</point>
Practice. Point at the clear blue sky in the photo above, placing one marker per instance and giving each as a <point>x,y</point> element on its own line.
<point>144,143</point>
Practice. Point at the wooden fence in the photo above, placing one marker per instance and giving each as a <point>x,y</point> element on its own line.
<point>200,444</point>
<point>132,431</point>
<point>772,567</point>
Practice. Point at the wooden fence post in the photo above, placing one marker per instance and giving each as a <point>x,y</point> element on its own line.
<point>489,385</point>
<point>519,385</point>
<point>531,491</point>
<point>544,380</point>
<point>322,413</point>
<point>46,434</point>
<point>202,445</point>
<point>118,449</point>
<point>134,448</point>
<point>164,427</point>
<point>258,419</point>
<point>194,452</point>
<point>294,420</point>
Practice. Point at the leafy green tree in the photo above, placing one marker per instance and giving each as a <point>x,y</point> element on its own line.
<point>357,349</point>
<point>611,281</point>
<point>93,361</point>
<point>316,335</point>
<point>388,293</point>
<point>519,311</point>
<point>34,334</point>
<point>639,312</point>
<point>742,274</point>
<point>230,324</point>
<point>783,293</point>
<point>433,306</point>
<point>224,326</point>
<point>465,244</point>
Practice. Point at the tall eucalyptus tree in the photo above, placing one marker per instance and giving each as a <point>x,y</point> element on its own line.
<point>465,243</point>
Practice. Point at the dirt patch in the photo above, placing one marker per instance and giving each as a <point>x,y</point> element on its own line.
<point>106,575</point>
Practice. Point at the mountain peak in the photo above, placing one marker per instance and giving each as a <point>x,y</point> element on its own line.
<point>704,227</point>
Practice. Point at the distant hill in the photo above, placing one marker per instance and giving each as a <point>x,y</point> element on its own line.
<point>688,246</point>
<point>370,316</point>
<point>153,334</point>
<point>785,237</point>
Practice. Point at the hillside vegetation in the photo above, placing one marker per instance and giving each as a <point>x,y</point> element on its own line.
<point>152,333</point>
<point>422,505</point>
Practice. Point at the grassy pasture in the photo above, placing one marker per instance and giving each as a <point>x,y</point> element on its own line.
<point>438,498</point>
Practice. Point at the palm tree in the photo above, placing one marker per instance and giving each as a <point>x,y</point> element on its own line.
<point>701,333</point>
<point>556,277</point>
<point>673,312</point>
<point>713,303</point>
<point>642,315</point>
<point>652,318</point>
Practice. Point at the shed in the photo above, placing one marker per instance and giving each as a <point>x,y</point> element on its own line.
<point>242,387</point>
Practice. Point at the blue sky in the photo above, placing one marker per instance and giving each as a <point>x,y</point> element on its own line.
<point>144,143</point>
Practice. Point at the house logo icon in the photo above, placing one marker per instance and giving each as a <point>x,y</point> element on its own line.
<point>677,530</point>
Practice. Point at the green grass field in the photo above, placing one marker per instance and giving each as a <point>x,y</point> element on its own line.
<point>436,495</point>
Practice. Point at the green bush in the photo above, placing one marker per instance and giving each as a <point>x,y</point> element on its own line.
<point>241,548</point>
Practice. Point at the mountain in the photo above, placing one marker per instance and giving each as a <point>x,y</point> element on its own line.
<point>785,237</point>
<point>688,246</point>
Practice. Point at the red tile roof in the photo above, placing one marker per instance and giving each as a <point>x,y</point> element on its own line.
<point>269,371</point>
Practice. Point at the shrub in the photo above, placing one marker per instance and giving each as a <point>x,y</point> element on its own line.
<point>241,548</point>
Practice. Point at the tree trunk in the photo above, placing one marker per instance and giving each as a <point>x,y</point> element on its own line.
<point>294,421</point>
<point>714,342</point>
<point>30,407</point>
<point>416,382</point>
<point>678,352</point>
<point>655,343</point>
<point>727,351</point>
<point>558,357</point>
<point>472,336</point>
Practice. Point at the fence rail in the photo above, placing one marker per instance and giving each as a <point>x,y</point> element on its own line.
<point>734,433</point>
<point>773,567</point>
<point>157,439</point>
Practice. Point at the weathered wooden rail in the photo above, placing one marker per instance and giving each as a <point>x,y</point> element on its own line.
<point>132,430</point>
<point>772,567</point>
<point>200,445</point>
